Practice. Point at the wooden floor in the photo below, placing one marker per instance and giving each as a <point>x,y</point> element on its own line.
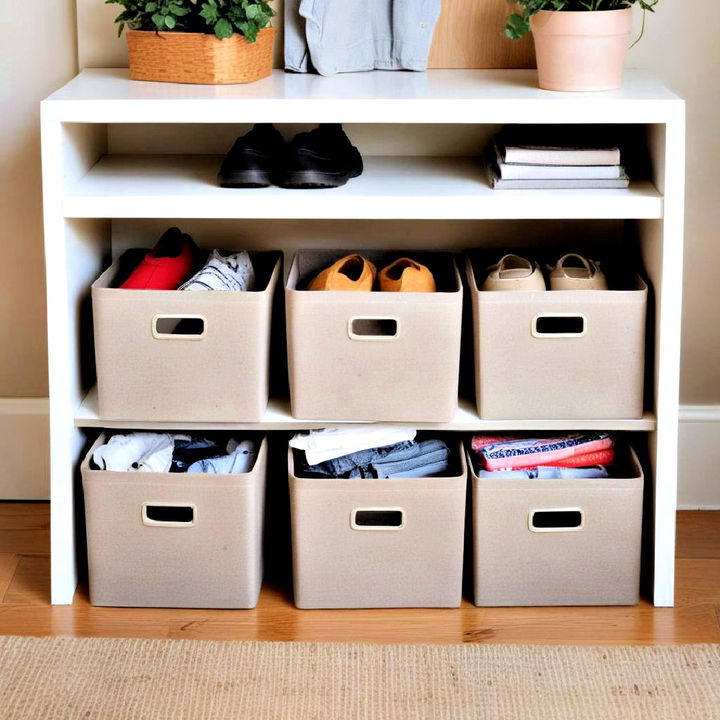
<point>25,608</point>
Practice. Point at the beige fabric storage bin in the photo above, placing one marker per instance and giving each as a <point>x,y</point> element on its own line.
<point>404,369</point>
<point>147,371</point>
<point>367,543</point>
<point>573,354</point>
<point>174,539</point>
<point>557,542</point>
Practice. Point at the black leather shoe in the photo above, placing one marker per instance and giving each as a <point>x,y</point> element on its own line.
<point>321,158</point>
<point>253,159</point>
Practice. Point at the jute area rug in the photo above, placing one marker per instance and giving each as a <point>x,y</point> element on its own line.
<point>156,679</point>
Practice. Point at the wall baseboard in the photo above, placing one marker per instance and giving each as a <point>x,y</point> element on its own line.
<point>699,457</point>
<point>25,469</point>
<point>24,449</point>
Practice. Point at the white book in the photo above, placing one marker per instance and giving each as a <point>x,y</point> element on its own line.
<point>556,145</point>
<point>498,183</point>
<point>561,156</point>
<point>560,172</point>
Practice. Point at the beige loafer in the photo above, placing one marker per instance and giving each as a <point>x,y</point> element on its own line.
<point>575,272</point>
<point>514,273</point>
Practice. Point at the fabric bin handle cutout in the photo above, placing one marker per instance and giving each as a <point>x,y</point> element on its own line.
<point>178,327</point>
<point>554,520</point>
<point>559,325</point>
<point>373,328</point>
<point>165,514</point>
<point>377,519</point>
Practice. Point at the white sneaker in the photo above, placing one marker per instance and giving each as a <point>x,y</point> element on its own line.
<point>579,274</point>
<point>224,272</point>
<point>514,273</point>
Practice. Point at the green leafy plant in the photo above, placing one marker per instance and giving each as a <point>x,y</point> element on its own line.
<point>221,17</point>
<point>518,24</point>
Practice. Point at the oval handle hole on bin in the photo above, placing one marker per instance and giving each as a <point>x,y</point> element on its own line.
<point>556,520</point>
<point>168,515</point>
<point>558,325</point>
<point>373,328</point>
<point>178,327</point>
<point>377,519</point>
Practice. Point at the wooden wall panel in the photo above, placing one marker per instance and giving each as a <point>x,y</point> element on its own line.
<point>469,34</point>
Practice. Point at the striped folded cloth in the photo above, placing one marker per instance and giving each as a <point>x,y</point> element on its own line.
<point>514,453</point>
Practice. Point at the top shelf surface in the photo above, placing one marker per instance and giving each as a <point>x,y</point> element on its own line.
<point>437,96</point>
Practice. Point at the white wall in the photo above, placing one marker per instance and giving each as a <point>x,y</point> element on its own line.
<point>24,448</point>
<point>698,479</point>
<point>37,55</point>
<point>682,45</point>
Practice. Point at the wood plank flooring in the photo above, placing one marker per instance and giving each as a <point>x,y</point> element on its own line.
<point>25,608</point>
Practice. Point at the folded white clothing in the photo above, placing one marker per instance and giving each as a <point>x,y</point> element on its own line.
<point>330,443</point>
<point>223,272</point>
<point>137,452</point>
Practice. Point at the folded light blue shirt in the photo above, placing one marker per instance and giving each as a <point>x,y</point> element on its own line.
<point>334,36</point>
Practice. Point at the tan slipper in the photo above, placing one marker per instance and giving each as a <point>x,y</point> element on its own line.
<point>514,273</point>
<point>353,272</point>
<point>406,275</point>
<point>578,274</point>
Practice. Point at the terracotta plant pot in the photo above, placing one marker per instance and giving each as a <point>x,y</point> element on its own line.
<point>580,51</point>
<point>199,58</point>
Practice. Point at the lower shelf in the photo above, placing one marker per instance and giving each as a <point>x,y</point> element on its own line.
<point>278,417</point>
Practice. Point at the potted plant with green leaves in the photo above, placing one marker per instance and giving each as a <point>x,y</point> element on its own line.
<point>212,42</point>
<point>580,44</point>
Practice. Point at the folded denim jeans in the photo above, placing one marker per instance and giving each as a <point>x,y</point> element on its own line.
<point>431,453</point>
<point>406,459</point>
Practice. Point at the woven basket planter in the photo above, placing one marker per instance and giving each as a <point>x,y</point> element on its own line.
<point>199,58</point>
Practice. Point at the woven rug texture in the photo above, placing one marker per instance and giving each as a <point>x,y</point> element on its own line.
<point>156,679</point>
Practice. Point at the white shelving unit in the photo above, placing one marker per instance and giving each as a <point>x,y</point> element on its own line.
<point>100,184</point>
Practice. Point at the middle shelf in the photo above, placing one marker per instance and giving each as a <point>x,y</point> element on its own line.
<point>391,187</point>
<point>278,417</point>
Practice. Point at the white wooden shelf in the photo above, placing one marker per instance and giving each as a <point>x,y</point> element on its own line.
<point>94,188</point>
<point>157,186</point>
<point>441,96</point>
<point>278,417</point>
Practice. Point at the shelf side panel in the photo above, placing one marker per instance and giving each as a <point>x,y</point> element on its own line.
<point>73,257</point>
<point>661,244</point>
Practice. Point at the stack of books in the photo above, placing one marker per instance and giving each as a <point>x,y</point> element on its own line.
<point>538,157</point>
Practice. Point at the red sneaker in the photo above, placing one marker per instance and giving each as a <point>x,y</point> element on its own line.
<point>167,265</point>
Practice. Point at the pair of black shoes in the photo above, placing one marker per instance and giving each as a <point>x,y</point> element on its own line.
<point>321,158</point>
